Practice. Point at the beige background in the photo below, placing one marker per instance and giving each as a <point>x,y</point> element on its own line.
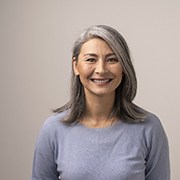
<point>36,37</point>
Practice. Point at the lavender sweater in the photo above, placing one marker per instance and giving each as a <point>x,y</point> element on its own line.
<point>120,152</point>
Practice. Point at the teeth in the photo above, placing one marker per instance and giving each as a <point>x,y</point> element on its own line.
<point>101,81</point>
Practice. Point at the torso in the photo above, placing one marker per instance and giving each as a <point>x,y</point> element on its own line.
<point>100,154</point>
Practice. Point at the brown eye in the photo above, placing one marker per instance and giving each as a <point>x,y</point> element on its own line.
<point>91,60</point>
<point>112,60</point>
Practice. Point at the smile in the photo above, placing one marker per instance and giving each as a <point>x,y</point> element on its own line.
<point>101,81</point>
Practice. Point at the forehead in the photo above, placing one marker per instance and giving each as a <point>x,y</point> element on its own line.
<point>96,45</point>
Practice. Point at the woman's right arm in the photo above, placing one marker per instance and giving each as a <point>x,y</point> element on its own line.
<point>44,166</point>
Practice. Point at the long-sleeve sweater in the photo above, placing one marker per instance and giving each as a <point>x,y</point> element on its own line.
<point>123,151</point>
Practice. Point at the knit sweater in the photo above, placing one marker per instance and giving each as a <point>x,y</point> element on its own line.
<point>123,151</point>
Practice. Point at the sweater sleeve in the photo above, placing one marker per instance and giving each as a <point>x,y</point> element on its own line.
<point>157,161</point>
<point>44,166</point>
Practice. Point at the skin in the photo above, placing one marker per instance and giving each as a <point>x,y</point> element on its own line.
<point>100,73</point>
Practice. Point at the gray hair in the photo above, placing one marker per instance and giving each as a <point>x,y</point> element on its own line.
<point>124,109</point>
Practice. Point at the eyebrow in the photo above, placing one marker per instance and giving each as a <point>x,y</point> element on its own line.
<point>95,55</point>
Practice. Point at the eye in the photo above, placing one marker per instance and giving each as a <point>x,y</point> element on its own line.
<point>112,60</point>
<point>91,60</point>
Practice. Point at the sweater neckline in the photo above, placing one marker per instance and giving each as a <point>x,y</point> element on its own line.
<point>101,129</point>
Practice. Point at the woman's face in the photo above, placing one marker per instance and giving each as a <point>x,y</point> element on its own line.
<point>98,68</point>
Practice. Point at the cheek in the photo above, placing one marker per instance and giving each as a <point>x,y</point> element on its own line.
<point>85,71</point>
<point>119,75</point>
<point>118,72</point>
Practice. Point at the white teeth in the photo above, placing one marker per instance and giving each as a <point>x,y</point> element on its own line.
<point>101,81</point>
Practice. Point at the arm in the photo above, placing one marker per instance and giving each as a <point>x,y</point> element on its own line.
<point>44,166</point>
<point>157,161</point>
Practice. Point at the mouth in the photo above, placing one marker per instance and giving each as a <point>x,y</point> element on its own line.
<point>101,81</point>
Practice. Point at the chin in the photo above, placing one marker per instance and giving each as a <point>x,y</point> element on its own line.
<point>103,93</point>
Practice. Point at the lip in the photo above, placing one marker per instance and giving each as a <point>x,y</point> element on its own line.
<point>101,81</point>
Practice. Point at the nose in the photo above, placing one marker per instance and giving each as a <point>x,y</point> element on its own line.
<point>101,67</point>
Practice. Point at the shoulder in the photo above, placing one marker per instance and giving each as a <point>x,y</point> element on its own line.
<point>148,131</point>
<point>154,130</point>
<point>150,122</point>
<point>151,119</point>
<point>152,125</point>
<point>55,120</point>
<point>54,127</point>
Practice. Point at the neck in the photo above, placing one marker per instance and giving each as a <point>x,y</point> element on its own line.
<point>99,108</point>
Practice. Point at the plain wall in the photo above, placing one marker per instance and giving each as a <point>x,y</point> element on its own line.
<point>36,38</point>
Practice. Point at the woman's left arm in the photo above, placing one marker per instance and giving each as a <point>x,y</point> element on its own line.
<point>157,161</point>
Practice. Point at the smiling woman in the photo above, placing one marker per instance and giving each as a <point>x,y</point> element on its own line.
<point>98,68</point>
<point>87,51</point>
<point>100,134</point>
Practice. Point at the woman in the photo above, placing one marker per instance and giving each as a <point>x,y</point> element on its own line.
<point>100,134</point>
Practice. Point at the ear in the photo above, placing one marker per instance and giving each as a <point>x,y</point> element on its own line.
<point>75,66</point>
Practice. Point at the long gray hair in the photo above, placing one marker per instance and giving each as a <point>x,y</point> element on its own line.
<point>124,108</point>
